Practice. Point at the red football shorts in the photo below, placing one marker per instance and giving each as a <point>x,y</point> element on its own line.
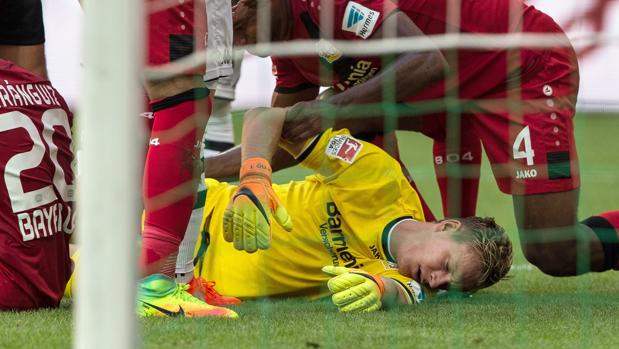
<point>13,295</point>
<point>175,32</point>
<point>533,150</point>
<point>530,143</point>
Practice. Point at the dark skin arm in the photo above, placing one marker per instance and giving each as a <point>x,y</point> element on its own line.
<point>414,70</point>
<point>226,166</point>
<point>283,100</point>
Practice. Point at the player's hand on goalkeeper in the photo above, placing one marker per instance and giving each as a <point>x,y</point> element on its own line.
<point>355,290</point>
<point>252,209</point>
<point>303,121</point>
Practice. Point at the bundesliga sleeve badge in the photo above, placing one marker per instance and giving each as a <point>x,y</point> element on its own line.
<point>359,19</point>
<point>344,148</point>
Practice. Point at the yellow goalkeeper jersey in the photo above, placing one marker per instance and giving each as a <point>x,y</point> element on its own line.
<point>342,216</point>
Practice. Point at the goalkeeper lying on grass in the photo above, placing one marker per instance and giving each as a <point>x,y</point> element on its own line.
<point>356,226</point>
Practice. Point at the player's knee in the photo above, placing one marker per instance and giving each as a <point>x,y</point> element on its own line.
<point>534,255</point>
<point>549,258</point>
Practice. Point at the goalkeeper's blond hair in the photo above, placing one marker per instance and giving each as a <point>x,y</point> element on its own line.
<point>491,244</point>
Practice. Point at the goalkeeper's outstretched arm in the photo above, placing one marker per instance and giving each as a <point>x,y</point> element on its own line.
<point>262,129</point>
<point>248,217</point>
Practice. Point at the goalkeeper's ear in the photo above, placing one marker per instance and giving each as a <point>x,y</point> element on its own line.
<point>448,225</point>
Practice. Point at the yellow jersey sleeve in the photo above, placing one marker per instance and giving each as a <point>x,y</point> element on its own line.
<point>364,178</point>
<point>331,153</point>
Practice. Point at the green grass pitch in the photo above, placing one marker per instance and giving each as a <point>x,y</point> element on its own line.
<point>529,311</point>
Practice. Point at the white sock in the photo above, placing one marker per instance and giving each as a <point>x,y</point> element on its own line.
<point>219,135</point>
<point>184,260</point>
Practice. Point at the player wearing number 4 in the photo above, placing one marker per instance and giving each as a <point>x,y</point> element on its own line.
<point>358,217</point>
<point>531,147</point>
<point>36,205</point>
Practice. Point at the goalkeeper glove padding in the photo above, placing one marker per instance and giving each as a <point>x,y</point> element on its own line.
<point>248,217</point>
<point>355,290</point>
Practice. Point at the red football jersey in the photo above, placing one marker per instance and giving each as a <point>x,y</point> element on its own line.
<point>531,153</point>
<point>36,186</point>
<point>358,20</point>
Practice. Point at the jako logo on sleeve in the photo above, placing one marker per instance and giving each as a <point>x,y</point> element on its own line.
<point>359,19</point>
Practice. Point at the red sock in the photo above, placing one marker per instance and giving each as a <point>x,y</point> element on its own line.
<point>465,186</point>
<point>606,227</point>
<point>170,177</point>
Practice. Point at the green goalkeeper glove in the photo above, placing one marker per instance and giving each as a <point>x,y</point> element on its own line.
<point>355,290</point>
<point>247,219</point>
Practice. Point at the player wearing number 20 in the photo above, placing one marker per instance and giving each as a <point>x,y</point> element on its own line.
<point>36,200</point>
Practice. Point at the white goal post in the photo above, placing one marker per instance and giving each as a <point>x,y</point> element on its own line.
<point>109,180</point>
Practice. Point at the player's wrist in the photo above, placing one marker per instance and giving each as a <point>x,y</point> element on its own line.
<point>255,167</point>
<point>380,283</point>
<point>377,280</point>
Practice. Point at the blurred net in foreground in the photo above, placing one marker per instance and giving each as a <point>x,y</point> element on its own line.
<point>453,101</point>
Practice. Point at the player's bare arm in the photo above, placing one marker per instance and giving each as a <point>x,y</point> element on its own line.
<point>394,294</point>
<point>224,165</point>
<point>227,164</point>
<point>414,72</point>
<point>280,99</point>
<point>262,128</point>
<point>248,217</point>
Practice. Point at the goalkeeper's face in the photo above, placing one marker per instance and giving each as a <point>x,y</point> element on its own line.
<point>433,258</point>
